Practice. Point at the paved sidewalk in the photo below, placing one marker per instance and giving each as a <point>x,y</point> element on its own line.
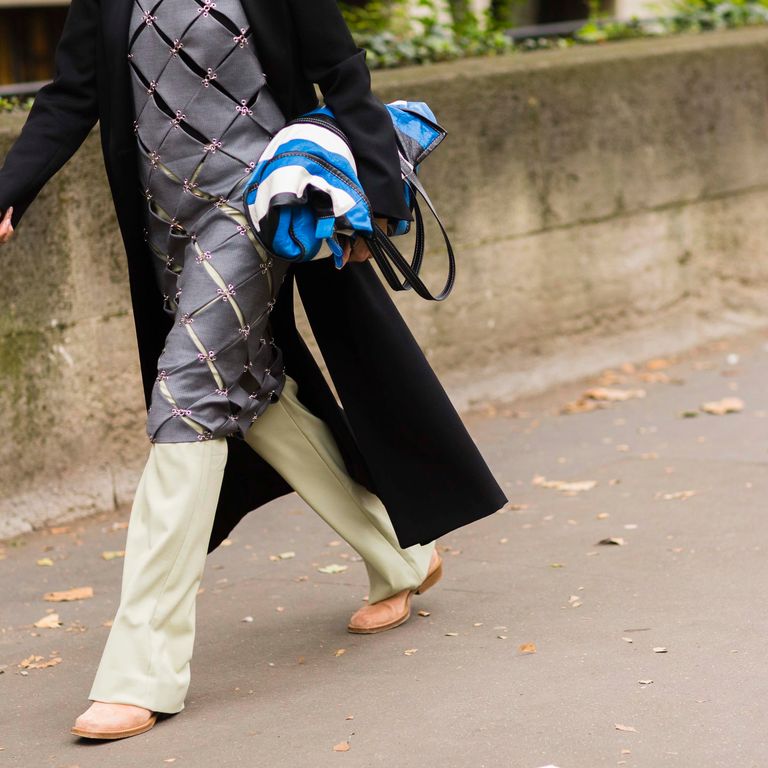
<point>687,495</point>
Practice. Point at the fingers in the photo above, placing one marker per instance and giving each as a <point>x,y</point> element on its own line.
<point>360,251</point>
<point>356,249</point>
<point>6,228</point>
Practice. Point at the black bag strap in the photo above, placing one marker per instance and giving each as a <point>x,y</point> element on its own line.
<point>389,258</point>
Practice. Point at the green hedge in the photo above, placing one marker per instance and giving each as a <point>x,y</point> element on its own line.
<point>687,16</point>
<point>385,31</point>
<point>384,28</point>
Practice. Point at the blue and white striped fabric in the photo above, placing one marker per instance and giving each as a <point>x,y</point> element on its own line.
<point>305,188</point>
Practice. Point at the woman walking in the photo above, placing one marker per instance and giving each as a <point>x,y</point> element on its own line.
<point>188,94</point>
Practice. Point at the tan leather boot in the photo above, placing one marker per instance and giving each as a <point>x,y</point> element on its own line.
<point>394,610</point>
<point>104,720</point>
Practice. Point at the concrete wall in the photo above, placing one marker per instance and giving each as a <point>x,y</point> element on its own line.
<point>606,204</point>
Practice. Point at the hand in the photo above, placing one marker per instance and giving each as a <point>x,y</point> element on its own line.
<point>360,250</point>
<point>6,228</point>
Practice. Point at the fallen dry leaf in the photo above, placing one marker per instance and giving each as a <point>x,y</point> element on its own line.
<point>510,507</point>
<point>342,746</point>
<point>609,378</point>
<point>333,568</point>
<point>113,554</point>
<point>79,593</point>
<point>581,406</point>
<point>620,727</point>
<point>724,406</point>
<point>563,485</point>
<point>598,397</point>
<point>676,496</point>
<point>286,555</point>
<point>655,378</point>
<point>527,648</point>
<point>608,395</point>
<point>50,621</point>
<point>340,651</point>
<point>45,561</point>
<point>617,540</point>
<point>410,651</point>
<point>37,662</point>
<point>58,530</point>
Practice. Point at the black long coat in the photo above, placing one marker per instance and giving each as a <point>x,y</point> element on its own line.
<point>397,430</point>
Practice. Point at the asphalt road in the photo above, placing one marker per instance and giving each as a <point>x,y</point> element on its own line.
<point>663,634</point>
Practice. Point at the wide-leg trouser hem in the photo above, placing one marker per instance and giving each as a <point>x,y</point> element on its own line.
<point>146,660</point>
<point>301,447</point>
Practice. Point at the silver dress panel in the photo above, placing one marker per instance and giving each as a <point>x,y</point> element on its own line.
<point>203,116</point>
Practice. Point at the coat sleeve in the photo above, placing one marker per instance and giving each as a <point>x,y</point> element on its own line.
<point>331,59</point>
<point>63,113</point>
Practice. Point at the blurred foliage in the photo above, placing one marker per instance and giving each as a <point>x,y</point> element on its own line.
<point>686,16</point>
<point>11,103</point>
<point>393,37</point>
<point>703,15</point>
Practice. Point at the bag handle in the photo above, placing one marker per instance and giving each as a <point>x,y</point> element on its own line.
<point>388,256</point>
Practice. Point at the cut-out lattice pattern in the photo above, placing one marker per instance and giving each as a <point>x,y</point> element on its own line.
<point>203,116</point>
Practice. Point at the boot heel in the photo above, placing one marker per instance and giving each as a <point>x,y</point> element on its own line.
<point>431,580</point>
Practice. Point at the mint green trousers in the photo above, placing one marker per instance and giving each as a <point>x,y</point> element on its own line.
<point>146,659</point>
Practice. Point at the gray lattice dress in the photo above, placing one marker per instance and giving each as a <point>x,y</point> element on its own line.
<point>203,116</point>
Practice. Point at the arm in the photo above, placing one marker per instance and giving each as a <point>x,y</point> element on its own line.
<point>331,59</point>
<point>63,113</point>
